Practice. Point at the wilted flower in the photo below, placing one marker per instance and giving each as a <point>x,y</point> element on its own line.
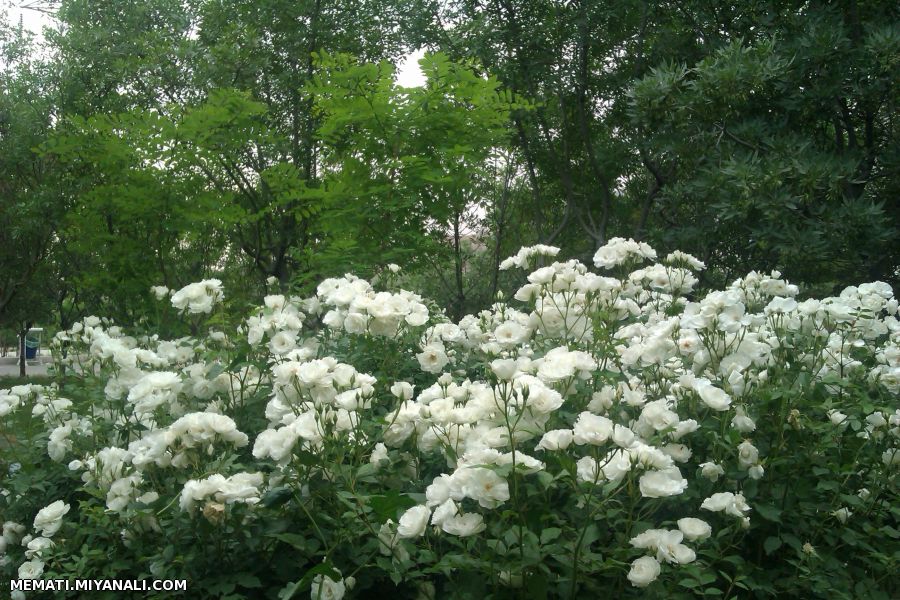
<point>842,514</point>
<point>326,588</point>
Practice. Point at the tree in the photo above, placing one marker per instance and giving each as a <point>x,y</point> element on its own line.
<point>31,197</point>
<point>757,133</point>
<point>404,168</point>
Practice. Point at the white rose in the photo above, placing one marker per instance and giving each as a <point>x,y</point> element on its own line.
<point>504,368</point>
<point>694,529</point>
<point>49,519</point>
<point>432,359</point>
<point>587,470</point>
<point>713,397</point>
<point>413,522</point>
<point>732,504</point>
<point>623,436</point>
<point>683,428</point>
<point>659,484</point>
<point>742,422</point>
<point>718,502</point>
<point>37,546</point>
<point>445,511</point>
<point>160,291</point>
<point>402,390</point>
<point>837,417</point>
<point>282,342</point>
<point>464,525</point>
<point>748,455</point>
<point>592,429</point>
<point>556,439</point>
<point>678,452</point>
<point>644,571</point>
<point>711,471</point>
<point>379,454</point>
<point>355,323</point>
<point>33,569</point>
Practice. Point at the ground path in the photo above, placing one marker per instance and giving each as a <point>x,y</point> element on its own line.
<point>9,366</point>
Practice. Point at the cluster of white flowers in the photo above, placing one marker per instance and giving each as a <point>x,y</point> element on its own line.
<point>13,398</point>
<point>619,250</point>
<point>281,319</point>
<point>189,436</point>
<point>312,399</point>
<point>241,487</point>
<point>667,547</point>
<point>711,356</point>
<point>47,522</point>
<point>199,297</point>
<point>524,255</point>
<point>351,304</point>
<point>610,383</point>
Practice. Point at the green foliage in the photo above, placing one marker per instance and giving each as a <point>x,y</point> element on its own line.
<point>417,156</point>
<point>755,135</point>
<point>32,197</point>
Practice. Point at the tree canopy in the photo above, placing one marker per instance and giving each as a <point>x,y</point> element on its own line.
<point>160,142</point>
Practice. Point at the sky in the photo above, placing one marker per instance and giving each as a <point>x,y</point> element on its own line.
<point>31,19</point>
<point>408,72</point>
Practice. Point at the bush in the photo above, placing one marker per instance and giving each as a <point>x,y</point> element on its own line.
<point>610,435</point>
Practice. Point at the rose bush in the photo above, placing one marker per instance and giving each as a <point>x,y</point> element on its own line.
<point>612,433</point>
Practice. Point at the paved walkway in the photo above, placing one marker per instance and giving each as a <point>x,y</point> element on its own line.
<point>9,366</point>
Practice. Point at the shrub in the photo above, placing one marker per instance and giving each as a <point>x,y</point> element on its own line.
<point>604,434</point>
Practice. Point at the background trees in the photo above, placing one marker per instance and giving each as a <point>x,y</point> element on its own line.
<point>753,133</point>
<point>164,141</point>
<point>32,195</point>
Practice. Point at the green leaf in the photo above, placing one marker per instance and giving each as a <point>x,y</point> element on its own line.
<point>772,544</point>
<point>769,513</point>
<point>296,540</point>
<point>550,534</point>
<point>276,497</point>
<point>387,506</point>
<point>248,581</point>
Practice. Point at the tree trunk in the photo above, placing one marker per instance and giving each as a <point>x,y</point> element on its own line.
<point>22,333</point>
<point>458,259</point>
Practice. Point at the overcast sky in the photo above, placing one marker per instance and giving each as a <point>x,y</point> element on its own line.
<point>408,72</point>
<point>32,20</point>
